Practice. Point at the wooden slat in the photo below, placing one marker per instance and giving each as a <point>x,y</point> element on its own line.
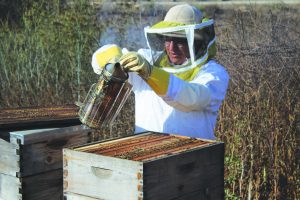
<point>9,158</point>
<point>72,196</point>
<point>48,186</point>
<point>203,194</point>
<point>13,119</point>
<point>113,141</point>
<point>101,177</point>
<point>41,135</point>
<point>180,168</point>
<point>9,187</point>
<point>42,150</point>
<point>37,113</point>
<point>39,124</point>
<point>104,148</point>
<point>200,171</point>
<point>145,146</point>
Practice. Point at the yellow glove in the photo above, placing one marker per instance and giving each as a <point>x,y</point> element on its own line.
<point>106,54</point>
<point>134,62</point>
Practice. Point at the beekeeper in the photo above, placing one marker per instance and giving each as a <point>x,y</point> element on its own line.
<point>178,86</point>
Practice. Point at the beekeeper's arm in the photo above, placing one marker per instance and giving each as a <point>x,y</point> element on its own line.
<point>182,95</point>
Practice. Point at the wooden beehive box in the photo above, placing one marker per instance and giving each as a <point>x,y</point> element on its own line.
<point>149,166</point>
<point>31,160</point>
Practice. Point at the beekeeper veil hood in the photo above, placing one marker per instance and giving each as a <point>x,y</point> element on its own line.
<point>187,23</point>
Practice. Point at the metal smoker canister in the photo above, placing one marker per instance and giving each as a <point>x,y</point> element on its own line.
<point>105,98</point>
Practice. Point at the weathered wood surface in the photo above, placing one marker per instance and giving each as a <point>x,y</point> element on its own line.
<point>101,177</point>
<point>198,174</point>
<point>42,135</point>
<point>12,119</point>
<point>36,151</point>
<point>9,187</point>
<point>72,196</point>
<point>16,119</point>
<point>185,173</point>
<point>44,186</point>
<point>144,147</point>
<point>9,158</point>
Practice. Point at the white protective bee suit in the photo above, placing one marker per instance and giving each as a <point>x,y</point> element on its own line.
<point>192,92</point>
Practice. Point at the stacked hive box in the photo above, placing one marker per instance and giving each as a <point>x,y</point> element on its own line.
<point>149,166</point>
<point>31,160</point>
<point>31,142</point>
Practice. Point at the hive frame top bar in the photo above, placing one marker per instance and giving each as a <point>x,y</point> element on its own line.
<point>24,118</point>
<point>145,147</point>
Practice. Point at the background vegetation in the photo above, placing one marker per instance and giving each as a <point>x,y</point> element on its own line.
<point>45,55</point>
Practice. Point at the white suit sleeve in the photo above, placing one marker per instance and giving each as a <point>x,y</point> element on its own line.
<point>205,92</point>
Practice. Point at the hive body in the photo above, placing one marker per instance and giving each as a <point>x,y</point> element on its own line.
<point>151,166</point>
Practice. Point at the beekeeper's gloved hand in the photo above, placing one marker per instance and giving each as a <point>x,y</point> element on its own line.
<point>106,54</point>
<point>134,62</point>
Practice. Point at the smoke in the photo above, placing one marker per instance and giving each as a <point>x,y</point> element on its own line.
<point>131,38</point>
<point>124,26</point>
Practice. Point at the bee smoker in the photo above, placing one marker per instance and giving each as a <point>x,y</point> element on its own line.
<point>106,97</point>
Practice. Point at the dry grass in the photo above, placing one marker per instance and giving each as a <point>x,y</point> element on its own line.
<point>259,120</point>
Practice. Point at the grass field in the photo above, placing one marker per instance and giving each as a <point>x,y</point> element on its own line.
<point>45,60</point>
